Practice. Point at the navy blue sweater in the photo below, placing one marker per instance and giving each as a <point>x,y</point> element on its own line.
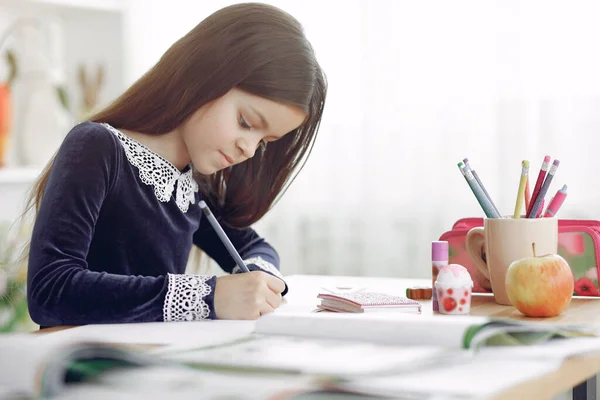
<point>113,234</point>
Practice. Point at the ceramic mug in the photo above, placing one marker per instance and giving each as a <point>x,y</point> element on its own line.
<point>500,241</point>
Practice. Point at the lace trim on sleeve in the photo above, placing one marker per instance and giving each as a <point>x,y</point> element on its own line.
<point>185,298</point>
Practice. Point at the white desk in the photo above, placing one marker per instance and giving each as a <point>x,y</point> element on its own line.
<point>302,298</point>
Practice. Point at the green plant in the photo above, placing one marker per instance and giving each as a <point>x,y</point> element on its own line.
<point>14,314</point>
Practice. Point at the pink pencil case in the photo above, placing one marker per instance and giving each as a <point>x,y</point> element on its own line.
<point>578,244</point>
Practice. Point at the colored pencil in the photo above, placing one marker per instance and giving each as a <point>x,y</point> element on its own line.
<point>223,236</point>
<point>527,195</point>
<point>540,212</point>
<point>466,163</point>
<point>556,202</point>
<point>538,184</point>
<point>521,191</point>
<point>544,189</point>
<point>483,201</point>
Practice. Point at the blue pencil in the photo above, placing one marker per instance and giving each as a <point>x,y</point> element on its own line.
<point>223,236</point>
<point>482,199</point>
<point>466,162</point>
<point>545,186</point>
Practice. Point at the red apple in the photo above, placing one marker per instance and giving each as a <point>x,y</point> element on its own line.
<point>540,286</point>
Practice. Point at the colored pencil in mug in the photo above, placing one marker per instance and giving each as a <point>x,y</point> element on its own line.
<point>544,189</point>
<point>478,192</point>
<point>527,195</point>
<point>539,214</point>
<point>521,191</point>
<point>466,163</point>
<point>556,202</point>
<point>538,183</point>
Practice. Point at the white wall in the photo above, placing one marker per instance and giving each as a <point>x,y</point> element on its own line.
<point>12,200</point>
<point>72,36</point>
<point>414,88</point>
<point>75,35</point>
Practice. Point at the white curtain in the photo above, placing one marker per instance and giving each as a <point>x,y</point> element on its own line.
<point>414,87</point>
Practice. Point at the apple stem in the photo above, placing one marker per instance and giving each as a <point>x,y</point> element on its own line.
<point>533,247</point>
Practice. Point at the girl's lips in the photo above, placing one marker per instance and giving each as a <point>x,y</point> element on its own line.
<point>229,159</point>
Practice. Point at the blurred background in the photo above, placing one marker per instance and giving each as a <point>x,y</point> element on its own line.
<point>414,87</point>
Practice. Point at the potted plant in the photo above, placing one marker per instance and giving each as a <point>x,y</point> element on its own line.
<point>14,315</point>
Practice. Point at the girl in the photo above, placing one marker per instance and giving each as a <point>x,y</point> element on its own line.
<point>227,115</point>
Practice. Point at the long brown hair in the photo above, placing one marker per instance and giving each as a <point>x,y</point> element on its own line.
<point>254,47</point>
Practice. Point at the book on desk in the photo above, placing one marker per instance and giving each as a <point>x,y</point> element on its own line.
<point>347,345</point>
<point>367,302</point>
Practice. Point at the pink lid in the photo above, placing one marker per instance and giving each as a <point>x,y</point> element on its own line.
<point>439,251</point>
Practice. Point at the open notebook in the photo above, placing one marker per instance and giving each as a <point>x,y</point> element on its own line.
<point>349,344</point>
<point>327,345</point>
<point>452,331</point>
<point>39,366</point>
<point>33,366</point>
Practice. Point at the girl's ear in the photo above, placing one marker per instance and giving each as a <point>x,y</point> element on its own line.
<point>82,77</point>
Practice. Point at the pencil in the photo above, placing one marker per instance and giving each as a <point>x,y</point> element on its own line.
<point>535,208</point>
<point>556,202</point>
<point>478,192</point>
<point>527,195</point>
<point>466,163</point>
<point>538,183</point>
<point>521,191</point>
<point>223,236</point>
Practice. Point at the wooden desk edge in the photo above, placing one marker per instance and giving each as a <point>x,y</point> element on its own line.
<point>572,372</point>
<point>53,329</point>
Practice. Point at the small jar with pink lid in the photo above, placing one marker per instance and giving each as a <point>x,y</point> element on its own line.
<point>453,288</point>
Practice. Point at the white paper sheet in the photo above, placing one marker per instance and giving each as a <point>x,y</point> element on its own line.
<point>21,357</point>
<point>481,377</point>
<point>318,356</point>
<point>392,329</point>
<point>180,383</point>
<point>162,333</point>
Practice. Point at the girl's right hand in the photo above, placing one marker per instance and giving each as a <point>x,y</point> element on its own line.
<point>247,295</point>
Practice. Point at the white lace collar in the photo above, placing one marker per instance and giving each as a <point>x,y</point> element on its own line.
<point>154,170</point>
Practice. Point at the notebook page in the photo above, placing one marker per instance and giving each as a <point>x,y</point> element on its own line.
<point>32,352</point>
<point>493,376</point>
<point>396,329</point>
<point>187,383</point>
<point>194,333</point>
<point>318,356</point>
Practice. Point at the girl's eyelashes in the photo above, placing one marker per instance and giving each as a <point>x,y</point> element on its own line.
<point>243,123</point>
